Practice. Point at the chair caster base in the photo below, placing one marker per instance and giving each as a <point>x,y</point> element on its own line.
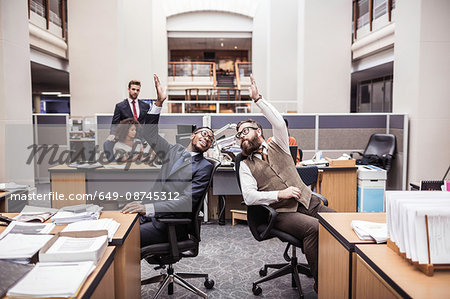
<point>209,284</point>
<point>256,290</point>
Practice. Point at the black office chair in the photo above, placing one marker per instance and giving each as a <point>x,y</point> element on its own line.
<point>108,149</point>
<point>261,221</point>
<point>379,151</point>
<point>163,254</point>
<point>309,175</point>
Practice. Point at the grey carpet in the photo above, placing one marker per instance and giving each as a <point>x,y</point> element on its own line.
<point>232,258</point>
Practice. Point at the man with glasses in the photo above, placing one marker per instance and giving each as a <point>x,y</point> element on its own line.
<point>268,176</point>
<point>182,180</point>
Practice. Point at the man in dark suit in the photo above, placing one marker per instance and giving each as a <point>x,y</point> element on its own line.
<point>129,108</point>
<point>183,177</point>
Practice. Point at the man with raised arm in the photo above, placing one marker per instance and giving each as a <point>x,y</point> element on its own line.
<point>182,180</point>
<point>268,176</point>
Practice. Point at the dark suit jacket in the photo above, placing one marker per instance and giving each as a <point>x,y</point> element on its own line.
<point>123,111</point>
<point>190,179</point>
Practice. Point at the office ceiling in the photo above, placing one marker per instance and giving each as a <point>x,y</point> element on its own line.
<point>209,43</point>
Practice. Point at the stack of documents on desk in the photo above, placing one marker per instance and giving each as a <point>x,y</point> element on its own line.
<point>71,214</point>
<point>10,187</point>
<point>21,247</point>
<point>16,227</point>
<point>370,230</point>
<point>31,213</point>
<point>419,224</point>
<point>86,165</point>
<point>106,223</point>
<point>53,280</point>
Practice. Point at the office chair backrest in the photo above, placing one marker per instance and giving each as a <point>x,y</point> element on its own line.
<point>380,144</point>
<point>308,174</point>
<point>108,149</point>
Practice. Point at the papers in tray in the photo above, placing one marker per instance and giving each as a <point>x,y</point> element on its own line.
<point>19,246</point>
<point>101,224</point>
<point>27,228</point>
<point>63,216</point>
<point>31,213</point>
<point>367,230</point>
<point>416,219</point>
<point>53,280</point>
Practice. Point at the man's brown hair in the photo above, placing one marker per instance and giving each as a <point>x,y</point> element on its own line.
<point>134,82</point>
<point>252,121</point>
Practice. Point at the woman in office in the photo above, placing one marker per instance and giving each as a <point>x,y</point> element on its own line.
<point>128,147</point>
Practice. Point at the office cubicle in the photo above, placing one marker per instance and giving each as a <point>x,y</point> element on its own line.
<point>333,134</point>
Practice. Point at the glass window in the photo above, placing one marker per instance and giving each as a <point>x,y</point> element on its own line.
<point>379,8</point>
<point>38,7</point>
<point>363,13</point>
<point>55,12</point>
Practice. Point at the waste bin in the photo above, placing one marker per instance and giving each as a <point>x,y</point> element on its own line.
<point>371,187</point>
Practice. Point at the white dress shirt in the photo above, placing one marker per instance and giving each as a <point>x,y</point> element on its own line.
<point>249,184</point>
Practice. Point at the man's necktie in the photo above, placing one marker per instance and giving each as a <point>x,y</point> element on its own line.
<point>178,162</point>
<point>264,156</point>
<point>134,109</point>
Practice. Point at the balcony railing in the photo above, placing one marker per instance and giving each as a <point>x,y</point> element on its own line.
<point>242,69</point>
<point>193,69</point>
<point>363,15</point>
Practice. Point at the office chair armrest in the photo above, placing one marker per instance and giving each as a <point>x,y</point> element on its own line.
<point>359,153</point>
<point>272,216</point>
<point>322,198</point>
<point>174,221</point>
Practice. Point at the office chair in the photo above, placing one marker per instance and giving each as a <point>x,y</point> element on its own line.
<point>108,149</point>
<point>309,176</point>
<point>261,220</point>
<point>379,151</point>
<point>169,253</point>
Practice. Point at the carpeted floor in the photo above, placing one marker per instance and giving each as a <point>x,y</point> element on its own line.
<point>232,258</point>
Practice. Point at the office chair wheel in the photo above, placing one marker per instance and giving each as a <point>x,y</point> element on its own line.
<point>256,290</point>
<point>262,272</point>
<point>209,283</point>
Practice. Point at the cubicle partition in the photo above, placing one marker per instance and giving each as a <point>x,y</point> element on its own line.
<point>50,130</point>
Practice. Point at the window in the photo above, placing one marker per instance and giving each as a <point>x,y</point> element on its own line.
<point>375,95</point>
<point>363,13</point>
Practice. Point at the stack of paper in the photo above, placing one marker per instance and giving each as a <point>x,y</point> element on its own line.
<point>75,249</point>
<point>416,219</point>
<point>21,247</point>
<point>101,224</point>
<point>53,280</point>
<point>31,213</point>
<point>27,228</point>
<point>370,230</point>
<point>9,187</point>
<point>11,273</point>
<point>65,217</point>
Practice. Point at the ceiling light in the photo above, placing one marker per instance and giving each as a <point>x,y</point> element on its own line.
<point>235,47</point>
<point>221,44</point>
<point>50,93</point>
<point>66,95</point>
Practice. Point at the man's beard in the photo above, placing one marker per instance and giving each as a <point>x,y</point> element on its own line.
<point>197,149</point>
<point>250,145</point>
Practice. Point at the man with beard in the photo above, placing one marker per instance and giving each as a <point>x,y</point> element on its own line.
<point>181,182</point>
<point>268,176</point>
<point>129,108</point>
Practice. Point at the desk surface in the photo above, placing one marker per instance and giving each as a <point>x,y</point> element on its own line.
<point>402,276</point>
<point>126,221</point>
<point>132,167</point>
<point>339,225</point>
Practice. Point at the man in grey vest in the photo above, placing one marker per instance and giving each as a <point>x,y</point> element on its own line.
<point>268,176</point>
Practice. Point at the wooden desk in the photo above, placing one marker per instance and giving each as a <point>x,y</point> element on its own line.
<point>98,284</point>
<point>85,183</point>
<point>382,273</point>
<point>339,187</point>
<point>127,260</point>
<point>337,256</point>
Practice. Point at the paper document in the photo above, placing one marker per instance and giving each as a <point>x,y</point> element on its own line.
<point>9,187</point>
<point>18,246</point>
<point>65,217</point>
<point>31,213</point>
<point>16,227</point>
<point>73,245</point>
<point>101,224</point>
<point>367,230</point>
<point>53,280</point>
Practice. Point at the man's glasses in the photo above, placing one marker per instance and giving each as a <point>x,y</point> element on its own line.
<point>205,134</point>
<point>244,132</point>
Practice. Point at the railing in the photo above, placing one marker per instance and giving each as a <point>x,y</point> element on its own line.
<point>210,106</point>
<point>376,9</point>
<point>212,94</point>
<point>58,18</point>
<point>242,69</point>
<point>193,69</point>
